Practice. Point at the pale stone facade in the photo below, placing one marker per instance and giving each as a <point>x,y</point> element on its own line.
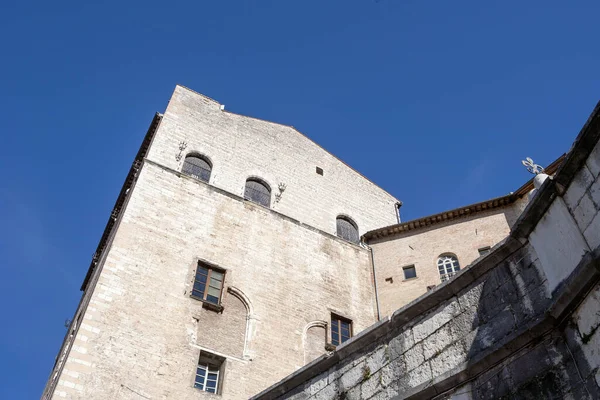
<point>466,234</point>
<point>138,333</point>
<point>422,247</point>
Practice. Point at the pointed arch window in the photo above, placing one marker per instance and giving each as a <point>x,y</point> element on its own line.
<point>197,166</point>
<point>258,192</point>
<point>448,266</point>
<point>347,229</point>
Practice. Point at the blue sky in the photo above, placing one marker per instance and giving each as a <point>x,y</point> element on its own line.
<point>437,102</point>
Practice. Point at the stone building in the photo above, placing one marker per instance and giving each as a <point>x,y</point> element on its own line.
<point>415,256</point>
<point>239,251</point>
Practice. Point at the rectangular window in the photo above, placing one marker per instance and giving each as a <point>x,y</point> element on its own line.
<point>341,330</point>
<point>208,283</point>
<point>409,272</point>
<point>484,250</point>
<point>209,373</point>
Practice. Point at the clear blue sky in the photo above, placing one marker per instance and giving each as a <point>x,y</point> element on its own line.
<point>437,102</point>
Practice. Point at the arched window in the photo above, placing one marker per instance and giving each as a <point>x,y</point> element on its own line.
<point>258,192</point>
<point>448,266</point>
<point>347,229</point>
<point>197,166</point>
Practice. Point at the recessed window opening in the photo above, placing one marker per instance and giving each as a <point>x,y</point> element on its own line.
<point>197,166</point>
<point>347,229</point>
<point>447,266</point>
<point>484,250</point>
<point>257,192</point>
<point>209,373</point>
<point>208,283</point>
<point>320,171</point>
<point>410,272</point>
<point>341,329</point>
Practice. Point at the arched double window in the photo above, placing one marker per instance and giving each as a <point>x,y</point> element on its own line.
<point>197,166</point>
<point>347,229</point>
<point>258,192</point>
<point>448,266</point>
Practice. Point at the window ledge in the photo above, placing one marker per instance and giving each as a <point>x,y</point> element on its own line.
<point>410,279</point>
<point>208,305</point>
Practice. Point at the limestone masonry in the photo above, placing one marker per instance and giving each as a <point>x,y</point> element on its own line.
<point>243,260</point>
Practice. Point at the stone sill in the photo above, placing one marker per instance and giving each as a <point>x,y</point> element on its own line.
<point>218,308</point>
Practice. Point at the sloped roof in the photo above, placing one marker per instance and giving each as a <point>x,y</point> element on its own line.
<point>460,212</point>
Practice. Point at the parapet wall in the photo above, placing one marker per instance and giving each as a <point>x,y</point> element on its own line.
<point>523,320</point>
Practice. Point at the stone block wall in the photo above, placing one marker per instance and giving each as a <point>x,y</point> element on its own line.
<point>421,248</point>
<point>240,147</point>
<point>413,350</point>
<point>142,333</point>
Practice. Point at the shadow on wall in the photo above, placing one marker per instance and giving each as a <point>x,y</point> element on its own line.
<point>511,299</point>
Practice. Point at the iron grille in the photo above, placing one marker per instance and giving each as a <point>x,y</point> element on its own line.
<point>257,192</point>
<point>347,230</point>
<point>196,167</point>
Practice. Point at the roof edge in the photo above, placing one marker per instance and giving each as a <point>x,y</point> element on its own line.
<point>463,211</point>
<point>131,175</point>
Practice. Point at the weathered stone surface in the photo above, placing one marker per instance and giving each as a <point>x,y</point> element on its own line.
<point>448,359</point>
<point>558,243</point>
<point>414,357</point>
<point>436,320</point>
<point>371,385</point>
<point>583,180</point>
<point>378,358</point>
<point>401,343</point>
<point>585,211</point>
<point>592,233</point>
<point>469,297</point>
<point>438,341</point>
<point>593,161</point>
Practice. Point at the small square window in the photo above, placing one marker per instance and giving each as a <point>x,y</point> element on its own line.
<point>320,171</point>
<point>341,329</point>
<point>208,283</point>
<point>484,250</point>
<point>410,272</point>
<point>209,373</point>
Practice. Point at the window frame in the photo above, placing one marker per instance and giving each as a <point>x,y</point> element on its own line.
<point>213,364</point>
<point>352,223</point>
<point>204,298</point>
<point>339,319</point>
<point>200,157</point>
<point>455,264</point>
<point>406,267</point>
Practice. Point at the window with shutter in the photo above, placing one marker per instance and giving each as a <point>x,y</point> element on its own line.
<point>208,284</point>
<point>341,330</point>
